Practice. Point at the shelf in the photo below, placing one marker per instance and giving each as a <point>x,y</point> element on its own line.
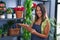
<point>10,37</point>
<point>13,19</point>
<point>41,0</point>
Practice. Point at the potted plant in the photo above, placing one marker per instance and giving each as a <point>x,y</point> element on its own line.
<point>19,11</point>
<point>1,31</point>
<point>2,6</point>
<point>5,29</point>
<point>9,12</point>
<point>13,31</point>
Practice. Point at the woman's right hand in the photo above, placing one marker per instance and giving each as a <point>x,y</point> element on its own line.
<point>27,27</point>
<point>23,25</point>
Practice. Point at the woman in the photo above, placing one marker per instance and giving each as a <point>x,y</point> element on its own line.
<point>35,28</point>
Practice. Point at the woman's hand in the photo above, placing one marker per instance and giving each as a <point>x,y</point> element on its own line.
<point>23,25</point>
<point>33,31</point>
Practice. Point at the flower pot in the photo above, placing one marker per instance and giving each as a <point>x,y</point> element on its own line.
<point>2,16</point>
<point>9,16</point>
<point>14,32</point>
<point>19,14</point>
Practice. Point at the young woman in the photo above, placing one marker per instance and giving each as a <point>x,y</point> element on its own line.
<point>35,28</point>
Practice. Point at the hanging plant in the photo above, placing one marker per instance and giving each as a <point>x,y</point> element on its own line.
<point>28,18</point>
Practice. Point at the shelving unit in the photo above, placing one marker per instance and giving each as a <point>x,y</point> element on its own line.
<point>5,19</point>
<point>17,21</point>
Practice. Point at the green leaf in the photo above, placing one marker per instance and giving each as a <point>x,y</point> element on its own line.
<point>0,31</point>
<point>28,6</point>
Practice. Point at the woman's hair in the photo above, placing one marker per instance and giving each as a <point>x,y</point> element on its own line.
<point>43,10</point>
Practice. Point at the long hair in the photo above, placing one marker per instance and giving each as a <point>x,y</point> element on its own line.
<point>43,10</point>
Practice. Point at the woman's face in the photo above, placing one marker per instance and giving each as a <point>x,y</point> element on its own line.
<point>38,11</point>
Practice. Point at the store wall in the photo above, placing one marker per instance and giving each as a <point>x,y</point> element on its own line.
<point>52,8</point>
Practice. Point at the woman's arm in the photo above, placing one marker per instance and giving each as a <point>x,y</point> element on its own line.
<point>33,31</point>
<point>27,27</point>
<point>46,31</point>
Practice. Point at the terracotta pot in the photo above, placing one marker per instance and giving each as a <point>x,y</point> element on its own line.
<point>19,14</point>
<point>14,32</point>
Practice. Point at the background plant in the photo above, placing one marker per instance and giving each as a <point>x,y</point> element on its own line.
<point>5,28</point>
<point>2,6</point>
<point>1,31</point>
<point>9,10</point>
<point>52,33</point>
<point>10,23</point>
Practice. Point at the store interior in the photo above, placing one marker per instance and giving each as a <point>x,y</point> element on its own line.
<point>9,18</point>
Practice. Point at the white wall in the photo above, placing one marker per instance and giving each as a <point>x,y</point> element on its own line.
<point>52,9</point>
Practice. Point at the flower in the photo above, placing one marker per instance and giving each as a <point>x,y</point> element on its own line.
<point>2,7</point>
<point>34,5</point>
<point>2,4</point>
<point>19,8</point>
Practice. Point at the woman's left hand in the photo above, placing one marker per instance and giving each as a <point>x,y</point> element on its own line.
<point>33,31</point>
